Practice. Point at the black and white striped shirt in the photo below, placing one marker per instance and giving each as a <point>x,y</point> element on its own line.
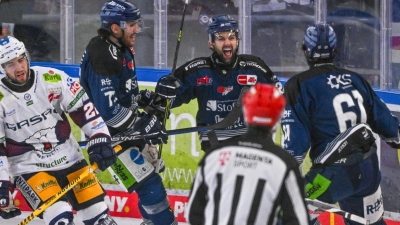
<point>247,180</point>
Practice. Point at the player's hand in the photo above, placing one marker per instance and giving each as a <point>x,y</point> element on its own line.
<point>100,151</point>
<point>144,98</point>
<point>166,88</point>
<point>152,130</point>
<point>7,209</point>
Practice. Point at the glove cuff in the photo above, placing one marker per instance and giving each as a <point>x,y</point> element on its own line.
<point>98,139</point>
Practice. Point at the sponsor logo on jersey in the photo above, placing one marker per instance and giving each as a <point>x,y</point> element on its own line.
<point>74,88</point>
<point>132,50</point>
<point>31,121</point>
<point>373,208</point>
<point>131,84</point>
<point>224,90</point>
<point>341,79</point>
<point>224,157</point>
<point>27,192</point>
<point>52,97</point>
<point>11,112</point>
<point>1,95</point>
<point>130,64</point>
<point>86,184</point>
<point>78,96</point>
<point>105,82</point>
<point>220,106</point>
<point>54,163</point>
<point>204,80</point>
<point>247,79</point>
<point>45,185</point>
<point>195,63</point>
<point>253,64</point>
<point>52,78</point>
<point>96,125</point>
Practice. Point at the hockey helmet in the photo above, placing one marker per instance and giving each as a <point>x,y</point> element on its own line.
<point>221,23</point>
<point>10,48</point>
<point>119,12</point>
<point>319,41</point>
<point>263,105</point>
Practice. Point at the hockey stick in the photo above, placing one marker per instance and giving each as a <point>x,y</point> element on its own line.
<point>53,199</point>
<point>168,103</point>
<point>229,120</point>
<point>325,207</point>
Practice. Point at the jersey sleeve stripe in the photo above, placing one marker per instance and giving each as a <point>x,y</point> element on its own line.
<point>120,118</point>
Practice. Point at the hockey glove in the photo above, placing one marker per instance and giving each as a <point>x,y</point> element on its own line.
<point>152,130</point>
<point>144,98</point>
<point>7,209</point>
<point>100,151</point>
<point>151,154</point>
<point>166,88</point>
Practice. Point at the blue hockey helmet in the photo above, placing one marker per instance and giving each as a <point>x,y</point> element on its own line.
<point>221,23</point>
<point>119,12</point>
<point>320,41</point>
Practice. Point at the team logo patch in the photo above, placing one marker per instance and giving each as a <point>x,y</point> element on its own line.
<point>224,157</point>
<point>204,80</point>
<point>247,79</point>
<point>224,90</point>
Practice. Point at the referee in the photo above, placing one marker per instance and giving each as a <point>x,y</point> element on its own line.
<point>248,179</point>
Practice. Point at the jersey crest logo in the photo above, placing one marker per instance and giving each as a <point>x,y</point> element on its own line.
<point>247,79</point>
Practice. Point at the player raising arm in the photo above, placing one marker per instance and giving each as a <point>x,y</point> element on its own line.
<point>36,144</point>
<point>334,112</point>
<point>216,81</point>
<point>248,179</point>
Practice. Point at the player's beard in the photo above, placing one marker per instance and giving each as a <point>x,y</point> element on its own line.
<point>223,59</point>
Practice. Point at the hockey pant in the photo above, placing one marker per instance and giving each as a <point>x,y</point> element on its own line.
<point>355,187</point>
<point>86,197</point>
<point>135,172</point>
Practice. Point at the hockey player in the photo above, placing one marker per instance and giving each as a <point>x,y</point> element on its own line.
<point>216,81</point>
<point>108,74</point>
<point>334,112</point>
<point>248,179</point>
<point>37,148</point>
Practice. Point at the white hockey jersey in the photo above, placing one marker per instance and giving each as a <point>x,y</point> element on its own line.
<point>35,134</point>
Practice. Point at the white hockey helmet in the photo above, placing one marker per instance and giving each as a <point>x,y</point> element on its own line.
<point>10,48</point>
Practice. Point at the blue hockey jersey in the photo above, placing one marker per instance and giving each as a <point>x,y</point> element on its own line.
<point>108,74</point>
<point>217,87</point>
<point>325,101</point>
